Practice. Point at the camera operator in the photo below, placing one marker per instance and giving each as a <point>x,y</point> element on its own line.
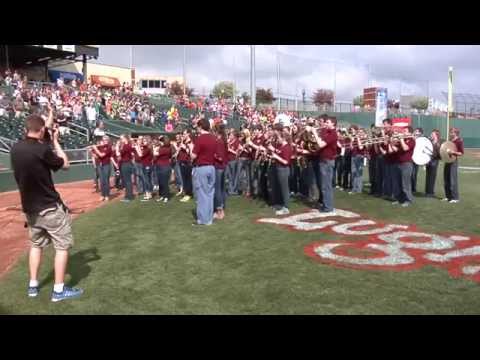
<point>48,219</point>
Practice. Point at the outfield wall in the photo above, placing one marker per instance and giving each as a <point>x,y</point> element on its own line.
<point>74,173</point>
<point>469,128</point>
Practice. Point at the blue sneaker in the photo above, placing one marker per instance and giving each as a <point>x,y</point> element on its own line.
<point>33,291</point>
<point>67,293</point>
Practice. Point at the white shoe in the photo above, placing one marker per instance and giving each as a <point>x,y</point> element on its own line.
<point>453,201</point>
<point>165,200</point>
<point>445,199</point>
<point>283,211</point>
<point>185,198</point>
<point>160,199</point>
<point>395,203</point>
<point>350,193</point>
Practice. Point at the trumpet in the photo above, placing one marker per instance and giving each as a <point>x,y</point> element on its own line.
<point>369,140</point>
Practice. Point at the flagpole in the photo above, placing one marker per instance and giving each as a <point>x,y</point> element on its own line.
<point>450,98</point>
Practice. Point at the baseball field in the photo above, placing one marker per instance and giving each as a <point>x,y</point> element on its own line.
<point>371,258</point>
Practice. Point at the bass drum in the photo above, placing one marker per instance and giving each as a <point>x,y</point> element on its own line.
<point>423,151</point>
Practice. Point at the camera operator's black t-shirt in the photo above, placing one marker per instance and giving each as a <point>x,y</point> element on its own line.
<point>32,162</point>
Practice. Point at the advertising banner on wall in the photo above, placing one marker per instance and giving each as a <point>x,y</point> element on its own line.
<point>381,110</point>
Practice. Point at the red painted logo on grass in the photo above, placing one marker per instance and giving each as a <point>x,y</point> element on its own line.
<point>367,244</point>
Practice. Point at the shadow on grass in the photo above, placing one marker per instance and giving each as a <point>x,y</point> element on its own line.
<point>78,267</point>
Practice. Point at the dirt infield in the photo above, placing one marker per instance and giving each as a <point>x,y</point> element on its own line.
<point>79,196</point>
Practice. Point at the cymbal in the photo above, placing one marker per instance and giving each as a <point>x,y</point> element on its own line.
<point>444,155</point>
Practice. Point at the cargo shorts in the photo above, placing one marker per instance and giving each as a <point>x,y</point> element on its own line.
<point>53,225</point>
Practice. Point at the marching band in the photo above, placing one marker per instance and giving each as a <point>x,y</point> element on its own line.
<point>275,162</point>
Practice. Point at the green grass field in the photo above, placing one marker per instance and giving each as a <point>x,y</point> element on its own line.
<point>146,258</point>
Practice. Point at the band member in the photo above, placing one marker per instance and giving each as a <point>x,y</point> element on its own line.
<point>243,165</point>
<point>403,167</point>
<point>231,172</point>
<point>48,219</point>
<point>116,168</point>
<point>146,160</point>
<point>162,158</point>
<point>256,167</point>
<point>372,164</point>
<point>138,167</point>
<point>221,162</point>
<point>388,163</point>
<point>176,165</point>
<point>203,174</point>
<point>104,153</point>
<point>450,171</point>
<point>125,152</point>
<point>347,159</point>
<point>295,164</point>
<point>358,158</point>
<point>96,166</point>
<point>339,159</point>
<point>185,163</point>
<point>327,141</point>
<point>432,166</point>
<point>417,133</point>
<point>282,155</point>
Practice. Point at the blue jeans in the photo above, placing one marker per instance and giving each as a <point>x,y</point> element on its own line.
<point>231,175</point>
<point>126,171</point>
<point>178,175</point>
<point>186,173</point>
<point>317,175</point>
<point>203,179</point>
<point>220,190</point>
<point>140,178</point>
<point>402,182</point>
<point>326,173</point>
<point>96,175</point>
<point>283,173</point>
<point>450,179</point>
<point>388,186</point>
<point>357,173</point>
<point>147,176</point>
<point>163,175</point>
<point>105,179</point>
<point>243,164</point>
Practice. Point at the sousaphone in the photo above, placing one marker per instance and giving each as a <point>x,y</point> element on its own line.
<point>444,155</point>
<point>423,151</point>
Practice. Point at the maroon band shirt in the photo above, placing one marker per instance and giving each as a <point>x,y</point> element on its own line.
<point>126,153</point>
<point>406,156</point>
<point>107,150</point>
<point>205,147</point>
<point>164,156</point>
<point>329,152</point>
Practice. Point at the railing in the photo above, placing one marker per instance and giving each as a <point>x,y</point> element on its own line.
<point>76,156</point>
<point>6,143</point>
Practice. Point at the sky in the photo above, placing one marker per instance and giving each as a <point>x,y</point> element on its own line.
<point>407,70</point>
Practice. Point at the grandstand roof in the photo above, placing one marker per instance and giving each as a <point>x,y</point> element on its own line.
<point>25,55</point>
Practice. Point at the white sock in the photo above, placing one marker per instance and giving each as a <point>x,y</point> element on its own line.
<point>58,288</point>
<point>33,283</point>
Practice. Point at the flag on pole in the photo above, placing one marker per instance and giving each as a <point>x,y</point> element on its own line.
<point>450,89</point>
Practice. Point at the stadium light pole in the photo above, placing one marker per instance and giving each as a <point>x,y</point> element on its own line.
<point>253,94</point>
<point>184,71</point>
<point>131,57</point>
<point>334,85</point>
<point>278,82</point>
<point>6,56</point>
<point>234,95</point>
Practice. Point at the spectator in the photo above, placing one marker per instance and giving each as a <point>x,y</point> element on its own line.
<point>91,114</point>
<point>60,81</point>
